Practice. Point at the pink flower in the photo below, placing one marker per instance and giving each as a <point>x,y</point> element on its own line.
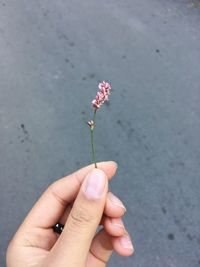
<point>102,94</point>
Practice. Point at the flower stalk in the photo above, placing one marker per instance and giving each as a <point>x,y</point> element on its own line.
<point>101,97</point>
<point>92,138</point>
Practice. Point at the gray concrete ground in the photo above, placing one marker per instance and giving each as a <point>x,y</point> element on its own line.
<point>52,54</point>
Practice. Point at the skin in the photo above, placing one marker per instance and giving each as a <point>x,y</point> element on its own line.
<point>65,201</point>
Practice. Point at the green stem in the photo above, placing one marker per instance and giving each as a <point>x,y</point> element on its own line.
<point>92,139</point>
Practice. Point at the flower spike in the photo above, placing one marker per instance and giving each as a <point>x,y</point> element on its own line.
<point>101,97</point>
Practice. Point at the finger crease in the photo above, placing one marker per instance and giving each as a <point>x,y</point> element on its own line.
<point>59,198</point>
<point>103,261</point>
<point>77,178</point>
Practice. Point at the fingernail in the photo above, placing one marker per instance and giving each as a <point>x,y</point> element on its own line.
<point>111,161</point>
<point>95,184</point>
<point>115,200</point>
<point>115,164</point>
<point>117,222</point>
<point>126,242</point>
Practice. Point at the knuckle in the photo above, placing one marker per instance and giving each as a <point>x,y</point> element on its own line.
<point>81,217</point>
<point>53,190</point>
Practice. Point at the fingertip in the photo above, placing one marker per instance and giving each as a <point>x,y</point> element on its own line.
<point>114,226</point>
<point>114,163</point>
<point>123,245</point>
<point>109,167</point>
<point>114,206</point>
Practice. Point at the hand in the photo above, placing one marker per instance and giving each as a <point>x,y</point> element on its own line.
<point>81,202</point>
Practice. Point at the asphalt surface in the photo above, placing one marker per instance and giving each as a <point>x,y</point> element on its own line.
<point>53,54</point>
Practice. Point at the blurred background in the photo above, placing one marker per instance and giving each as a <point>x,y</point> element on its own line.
<point>53,54</point>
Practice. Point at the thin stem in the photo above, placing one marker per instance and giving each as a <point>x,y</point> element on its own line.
<point>92,139</point>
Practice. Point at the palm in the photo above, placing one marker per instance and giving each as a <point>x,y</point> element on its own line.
<point>37,248</point>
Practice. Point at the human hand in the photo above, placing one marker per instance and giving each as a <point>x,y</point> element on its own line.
<point>81,202</point>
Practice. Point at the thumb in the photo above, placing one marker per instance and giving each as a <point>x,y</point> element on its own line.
<point>74,243</point>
